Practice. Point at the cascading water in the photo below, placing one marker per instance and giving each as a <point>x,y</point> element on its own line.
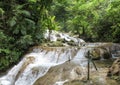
<point>73,70</point>
<point>75,56</point>
<point>80,57</point>
<point>54,36</point>
<point>37,63</point>
<point>42,61</point>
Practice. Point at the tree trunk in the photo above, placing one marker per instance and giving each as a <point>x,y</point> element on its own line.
<point>83,31</point>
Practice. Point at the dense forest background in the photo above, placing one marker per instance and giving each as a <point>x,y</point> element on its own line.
<point>23,23</point>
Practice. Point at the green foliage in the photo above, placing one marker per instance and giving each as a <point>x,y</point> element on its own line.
<point>93,20</point>
<point>23,23</point>
<point>108,24</point>
<point>1,11</point>
<point>21,26</point>
<point>61,13</point>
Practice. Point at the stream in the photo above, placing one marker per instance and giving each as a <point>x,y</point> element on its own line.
<point>66,65</point>
<point>52,66</point>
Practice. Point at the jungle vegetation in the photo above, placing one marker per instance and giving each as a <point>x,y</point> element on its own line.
<point>23,23</point>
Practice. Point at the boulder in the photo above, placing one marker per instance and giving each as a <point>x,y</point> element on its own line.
<point>113,48</point>
<point>98,53</point>
<point>95,53</point>
<point>114,70</point>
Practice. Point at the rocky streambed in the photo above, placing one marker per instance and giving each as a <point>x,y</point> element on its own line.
<point>67,64</point>
<point>72,74</point>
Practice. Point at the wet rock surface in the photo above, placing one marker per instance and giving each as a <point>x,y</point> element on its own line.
<point>100,53</point>
<point>105,51</point>
<point>114,70</point>
<point>62,66</point>
<point>113,48</point>
<point>72,74</point>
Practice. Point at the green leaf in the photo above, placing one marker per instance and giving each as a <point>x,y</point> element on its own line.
<point>1,11</point>
<point>27,13</point>
<point>30,21</point>
<point>53,18</point>
<point>7,51</point>
<point>18,7</point>
<point>32,1</point>
<point>12,22</point>
<point>23,30</point>
<point>16,30</point>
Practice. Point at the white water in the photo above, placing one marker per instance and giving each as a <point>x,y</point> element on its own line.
<point>54,36</point>
<point>36,64</point>
<point>80,57</point>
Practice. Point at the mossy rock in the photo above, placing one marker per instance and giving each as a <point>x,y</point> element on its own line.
<point>57,43</point>
<point>95,54</point>
<point>106,55</point>
<point>100,53</point>
<point>114,70</point>
<point>71,43</point>
<point>61,40</point>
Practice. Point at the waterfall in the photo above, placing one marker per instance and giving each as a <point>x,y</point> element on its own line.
<point>80,57</point>
<point>36,64</point>
<point>40,60</point>
<point>54,36</point>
